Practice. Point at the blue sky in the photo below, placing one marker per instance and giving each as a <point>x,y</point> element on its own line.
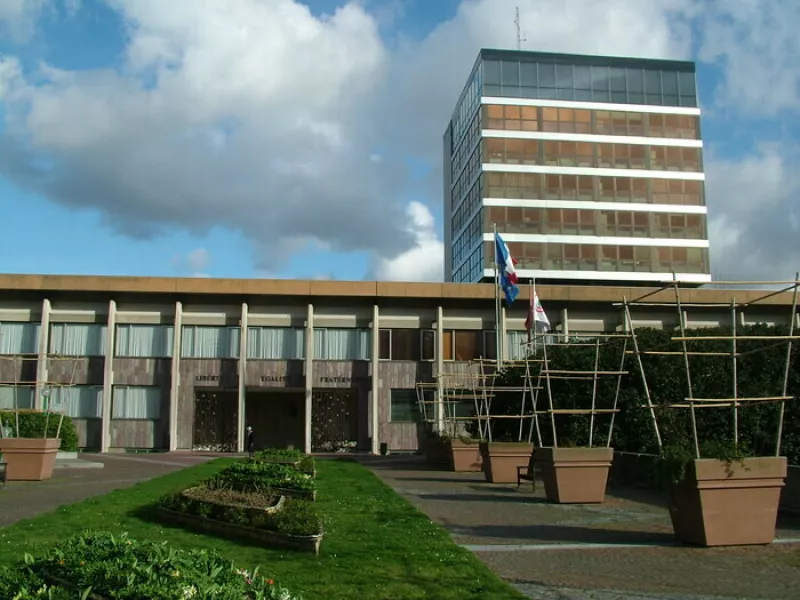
<point>101,207</point>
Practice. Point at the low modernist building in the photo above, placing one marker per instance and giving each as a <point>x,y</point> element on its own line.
<point>185,364</point>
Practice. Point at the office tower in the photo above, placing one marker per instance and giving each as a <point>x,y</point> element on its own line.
<point>590,167</point>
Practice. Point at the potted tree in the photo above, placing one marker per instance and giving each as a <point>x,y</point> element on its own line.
<point>580,379</point>
<point>25,444</point>
<point>723,474</point>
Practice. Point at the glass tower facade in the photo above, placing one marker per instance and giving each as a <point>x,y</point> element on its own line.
<point>590,168</point>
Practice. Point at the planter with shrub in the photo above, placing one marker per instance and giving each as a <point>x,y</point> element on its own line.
<point>30,441</point>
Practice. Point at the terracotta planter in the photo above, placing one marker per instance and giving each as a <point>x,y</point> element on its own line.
<point>501,459</point>
<point>465,456</point>
<point>437,451</point>
<point>722,504</point>
<point>29,459</point>
<point>574,475</point>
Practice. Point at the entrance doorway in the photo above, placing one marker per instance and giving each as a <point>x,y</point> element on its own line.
<point>334,420</point>
<point>216,421</point>
<point>277,418</point>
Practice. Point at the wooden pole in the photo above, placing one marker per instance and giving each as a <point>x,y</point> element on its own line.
<point>686,364</point>
<point>653,417</point>
<point>787,369</point>
<point>735,375</point>
<point>546,365</point>
<point>594,389</point>
<point>616,395</point>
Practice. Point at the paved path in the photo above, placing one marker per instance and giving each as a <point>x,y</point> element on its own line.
<point>22,500</point>
<point>623,548</point>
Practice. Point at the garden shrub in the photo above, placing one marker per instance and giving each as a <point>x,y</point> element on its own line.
<point>254,476</point>
<point>760,372</point>
<point>31,425</point>
<point>123,568</point>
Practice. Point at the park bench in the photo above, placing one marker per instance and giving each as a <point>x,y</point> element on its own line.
<point>526,473</point>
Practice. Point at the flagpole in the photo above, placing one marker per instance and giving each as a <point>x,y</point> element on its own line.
<point>533,301</point>
<point>497,311</point>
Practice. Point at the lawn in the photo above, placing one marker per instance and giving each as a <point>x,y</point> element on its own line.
<point>377,545</point>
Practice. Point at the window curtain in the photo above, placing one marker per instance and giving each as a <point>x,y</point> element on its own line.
<point>16,396</point>
<point>342,344</point>
<point>405,406</point>
<point>19,338</point>
<point>154,341</point>
<point>136,402</point>
<point>516,339</point>
<point>80,401</point>
<point>210,342</point>
<point>78,339</point>
<point>283,343</point>
<point>516,351</point>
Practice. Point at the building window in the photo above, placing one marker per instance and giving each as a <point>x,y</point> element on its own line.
<point>19,338</point>
<point>136,402</point>
<point>469,344</point>
<point>78,339</point>
<point>406,344</point>
<point>16,396</point>
<point>276,343</point>
<point>341,344</point>
<point>210,342</point>
<point>405,405</point>
<point>78,401</point>
<point>145,341</point>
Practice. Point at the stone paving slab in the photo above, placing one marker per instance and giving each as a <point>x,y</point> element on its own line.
<point>25,499</point>
<point>623,548</point>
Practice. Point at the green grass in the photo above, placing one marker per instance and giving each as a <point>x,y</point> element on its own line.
<point>376,545</point>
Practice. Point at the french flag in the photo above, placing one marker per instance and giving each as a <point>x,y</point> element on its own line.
<point>506,268</point>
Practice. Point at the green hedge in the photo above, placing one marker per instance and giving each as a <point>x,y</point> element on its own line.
<point>31,425</point>
<point>760,372</point>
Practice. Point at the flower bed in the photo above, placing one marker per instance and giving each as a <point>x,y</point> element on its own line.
<point>122,568</point>
<point>253,476</point>
<point>260,501</point>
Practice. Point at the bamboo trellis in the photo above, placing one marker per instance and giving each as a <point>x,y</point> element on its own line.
<point>734,401</point>
<point>39,386</point>
<point>549,374</point>
<point>475,382</point>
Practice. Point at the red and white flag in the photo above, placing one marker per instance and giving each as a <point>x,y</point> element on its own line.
<point>536,316</point>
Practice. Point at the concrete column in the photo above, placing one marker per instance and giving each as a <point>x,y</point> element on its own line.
<point>175,381</point>
<point>374,424</point>
<point>309,368</point>
<point>439,406</point>
<point>242,375</point>
<point>42,375</point>
<point>565,323</point>
<point>108,376</point>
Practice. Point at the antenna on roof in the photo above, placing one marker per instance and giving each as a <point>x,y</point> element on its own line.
<point>520,39</point>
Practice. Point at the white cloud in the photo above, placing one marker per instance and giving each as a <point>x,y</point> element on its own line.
<point>294,129</point>
<point>193,263</point>
<point>18,17</point>
<point>754,224</point>
<point>425,260</point>
<point>757,44</point>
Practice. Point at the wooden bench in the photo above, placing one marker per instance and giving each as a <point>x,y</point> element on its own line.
<point>526,473</point>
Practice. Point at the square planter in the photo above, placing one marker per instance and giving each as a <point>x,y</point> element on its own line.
<point>29,459</point>
<point>728,504</point>
<point>574,475</point>
<point>437,451</point>
<point>501,459</point>
<point>465,456</point>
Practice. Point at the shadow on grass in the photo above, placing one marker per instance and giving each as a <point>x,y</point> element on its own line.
<point>566,533</point>
<point>152,515</point>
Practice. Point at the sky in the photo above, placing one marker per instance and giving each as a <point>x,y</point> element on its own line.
<point>288,139</point>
